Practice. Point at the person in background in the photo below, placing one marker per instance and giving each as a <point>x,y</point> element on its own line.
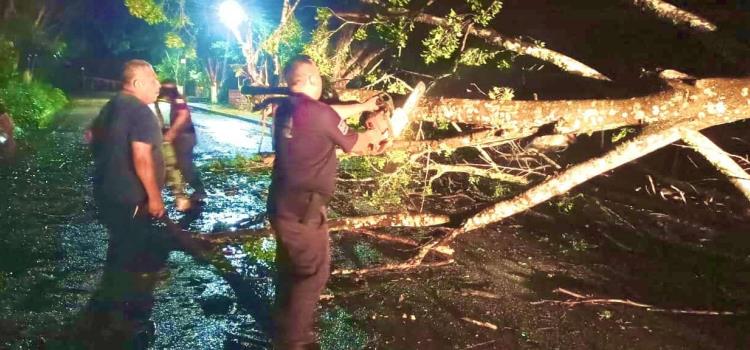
<point>181,135</point>
<point>305,137</point>
<point>128,176</point>
<point>7,141</point>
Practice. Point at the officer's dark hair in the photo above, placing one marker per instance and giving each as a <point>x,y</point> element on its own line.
<point>169,81</point>
<point>169,89</point>
<point>292,64</point>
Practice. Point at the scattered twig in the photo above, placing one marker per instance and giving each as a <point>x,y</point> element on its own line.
<point>410,265</point>
<point>479,293</point>
<point>480,323</point>
<point>385,237</point>
<point>579,299</point>
<point>480,344</point>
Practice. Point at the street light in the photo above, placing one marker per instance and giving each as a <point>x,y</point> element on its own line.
<point>232,15</point>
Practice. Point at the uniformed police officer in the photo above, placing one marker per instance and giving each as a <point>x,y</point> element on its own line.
<point>306,135</point>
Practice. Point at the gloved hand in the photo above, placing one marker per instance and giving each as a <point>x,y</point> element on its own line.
<point>379,121</point>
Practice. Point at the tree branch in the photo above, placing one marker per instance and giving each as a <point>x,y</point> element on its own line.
<point>494,38</point>
<point>674,14</point>
<point>475,171</point>
<point>388,220</point>
<point>719,159</point>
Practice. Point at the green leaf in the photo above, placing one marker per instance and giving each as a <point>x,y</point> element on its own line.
<point>146,10</point>
<point>483,14</point>
<point>477,57</point>
<point>443,41</point>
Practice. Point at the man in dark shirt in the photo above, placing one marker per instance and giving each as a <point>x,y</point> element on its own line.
<point>128,176</point>
<point>306,135</point>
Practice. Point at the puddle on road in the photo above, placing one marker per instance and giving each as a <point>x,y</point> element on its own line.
<point>197,309</point>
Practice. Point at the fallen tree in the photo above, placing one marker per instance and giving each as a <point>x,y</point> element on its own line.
<point>676,114</point>
<point>684,106</point>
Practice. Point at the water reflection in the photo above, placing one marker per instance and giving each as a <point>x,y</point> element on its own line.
<point>200,307</point>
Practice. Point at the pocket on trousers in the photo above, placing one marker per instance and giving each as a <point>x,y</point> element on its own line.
<point>305,244</point>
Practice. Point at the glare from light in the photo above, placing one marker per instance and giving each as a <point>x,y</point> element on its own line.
<point>232,15</point>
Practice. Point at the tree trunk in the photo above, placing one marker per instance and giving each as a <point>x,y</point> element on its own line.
<point>214,93</point>
<point>519,119</point>
<point>705,97</point>
<point>685,107</point>
<point>10,10</point>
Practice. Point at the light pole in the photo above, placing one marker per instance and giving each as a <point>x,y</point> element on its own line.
<point>232,15</point>
<point>183,65</point>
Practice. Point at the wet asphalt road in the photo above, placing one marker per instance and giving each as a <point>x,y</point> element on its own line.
<point>222,137</point>
<point>196,308</point>
<point>54,248</point>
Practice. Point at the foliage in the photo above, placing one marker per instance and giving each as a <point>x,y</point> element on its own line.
<point>394,32</point>
<point>447,41</point>
<point>443,41</point>
<point>32,105</point>
<point>179,40</point>
<point>622,133</point>
<point>366,254</point>
<point>317,48</point>
<point>287,42</point>
<point>261,249</point>
<point>361,33</point>
<point>146,10</point>
<point>484,14</point>
<point>566,204</point>
<point>398,3</point>
<point>171,66</point>
<point>8,60</point>
<point>477,57</point>
<point>395,179</point>
<point>174,41</point>
<point>32,33</point>
<point>223,48</point>
<point>501,93</point>
<point>238,162</point>
<point>388,82</point>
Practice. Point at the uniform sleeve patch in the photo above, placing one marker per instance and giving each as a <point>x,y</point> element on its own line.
<point>343,127</point>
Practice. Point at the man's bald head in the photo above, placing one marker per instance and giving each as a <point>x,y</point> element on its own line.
<point>302,76</point>
<point>131,69</point>
<point>139,80</point>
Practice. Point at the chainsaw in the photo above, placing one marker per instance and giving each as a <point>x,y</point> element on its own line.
<point>390,121</point>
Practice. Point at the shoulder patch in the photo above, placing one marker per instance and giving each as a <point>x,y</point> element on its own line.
<point>343,127</point>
